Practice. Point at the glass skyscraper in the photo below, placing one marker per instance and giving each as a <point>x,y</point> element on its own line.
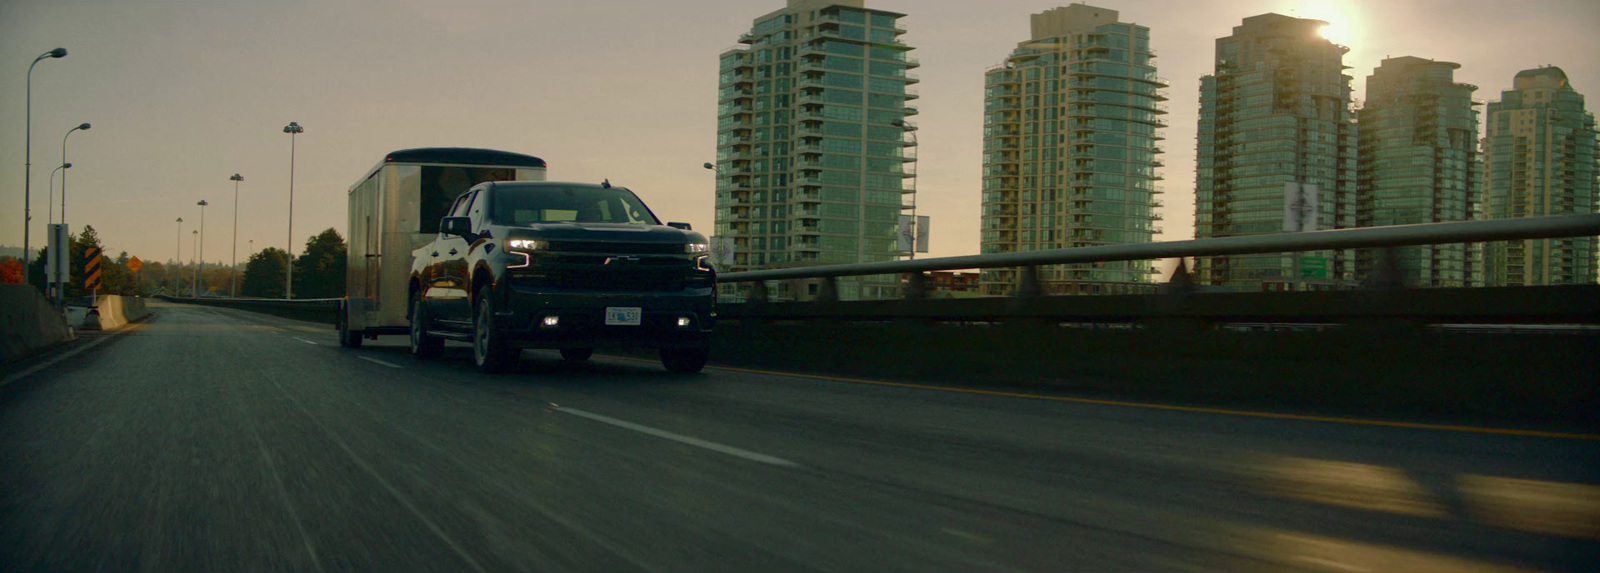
<point>1418,163</point>
<point>1539,159</point>
<point>1275,128</point>
<point>813,158</point>
<point>1071,125</point>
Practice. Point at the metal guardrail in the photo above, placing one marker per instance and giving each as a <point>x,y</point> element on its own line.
<point>1367,237</point>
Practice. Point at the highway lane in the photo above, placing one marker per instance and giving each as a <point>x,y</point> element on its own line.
<point>212,439</point>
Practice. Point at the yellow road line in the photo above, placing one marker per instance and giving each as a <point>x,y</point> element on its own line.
<point>1254,414</point>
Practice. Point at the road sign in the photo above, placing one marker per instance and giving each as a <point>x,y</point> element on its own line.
<point>91,269</point>
<point>134,264</point>
<point>1314,268</point>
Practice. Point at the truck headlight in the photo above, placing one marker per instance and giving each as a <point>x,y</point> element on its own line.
<point>526,244</point>
<point>696,248</point>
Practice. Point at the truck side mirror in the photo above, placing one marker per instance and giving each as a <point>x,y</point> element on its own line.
<point>684,226</point>
<point>460,226</point>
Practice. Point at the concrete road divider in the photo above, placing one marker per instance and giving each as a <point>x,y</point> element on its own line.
<point>28,323</point>
<point>111,311</point>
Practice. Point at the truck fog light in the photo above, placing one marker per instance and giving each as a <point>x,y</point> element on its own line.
<point>552,321</point>
<point>683,322</point>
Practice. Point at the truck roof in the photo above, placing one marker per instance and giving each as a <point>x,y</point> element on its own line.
<point>463,156</point>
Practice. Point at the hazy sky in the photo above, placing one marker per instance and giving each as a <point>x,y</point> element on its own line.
<point>183,94</point>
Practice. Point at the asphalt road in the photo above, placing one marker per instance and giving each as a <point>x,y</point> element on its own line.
<point>216,440</point>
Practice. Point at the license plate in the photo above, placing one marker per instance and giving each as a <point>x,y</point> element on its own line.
<point>622,316</point>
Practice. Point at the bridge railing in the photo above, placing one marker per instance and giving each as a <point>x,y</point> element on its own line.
<point>1028,262</point>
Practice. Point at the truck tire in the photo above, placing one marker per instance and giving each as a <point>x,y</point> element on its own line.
<point>490,353</point>
<point>423,346</point>
<point>347,338</point>
<point>684,360</point>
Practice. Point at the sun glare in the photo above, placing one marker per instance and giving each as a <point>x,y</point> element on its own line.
<point>1340,16</point>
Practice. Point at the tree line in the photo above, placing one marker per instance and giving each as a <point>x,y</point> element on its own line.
<point>319,272</point>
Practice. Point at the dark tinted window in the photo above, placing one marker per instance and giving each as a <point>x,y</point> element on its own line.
<point>553,204</point>
<point>442,185</point>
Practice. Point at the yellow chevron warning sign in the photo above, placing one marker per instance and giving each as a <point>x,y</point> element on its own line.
<point>91,269</point>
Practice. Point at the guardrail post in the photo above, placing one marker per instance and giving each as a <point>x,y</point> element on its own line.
<point>1380,302</point>
<point>1385,273</point>
<point>1172,301</point>
<point>829,290</point>
<point>1028,283</point>
<point>916,287</point>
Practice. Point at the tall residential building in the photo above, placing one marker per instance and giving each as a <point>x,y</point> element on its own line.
<point>1418,163</point>
<point>813,157</point>
<point>1539,159</point>
<point>1071,122</point>
<point>1276,135</point>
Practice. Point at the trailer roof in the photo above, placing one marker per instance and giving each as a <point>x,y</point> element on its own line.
<point>463,156</point>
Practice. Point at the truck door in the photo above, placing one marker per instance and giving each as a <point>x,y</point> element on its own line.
<point>452,300</point>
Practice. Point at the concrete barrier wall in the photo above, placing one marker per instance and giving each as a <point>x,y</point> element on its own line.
<point>28,323</point>
<point>313,310</point>
<point>1405,373</point>
<point>116,311</point>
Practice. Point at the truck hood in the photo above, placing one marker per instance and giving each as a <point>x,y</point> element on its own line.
<point>605,232</point>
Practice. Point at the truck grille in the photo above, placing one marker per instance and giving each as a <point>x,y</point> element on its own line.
<point>618,248</point>
<point>586,280</point>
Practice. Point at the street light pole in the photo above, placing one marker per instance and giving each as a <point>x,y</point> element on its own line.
<point>194,280</point>
<point>177,258</point>
<point>292,129</point>
<point>233,271</point>
<point>83,126</point>
<point>200,258</point>
<point>911,129</point>
<point>51,286</point>
<point>27,165</point>
<point>50,216</point>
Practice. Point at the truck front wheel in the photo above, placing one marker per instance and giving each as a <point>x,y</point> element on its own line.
<point>684,360</point>
<point>423,346</point>
<point>490,353</point>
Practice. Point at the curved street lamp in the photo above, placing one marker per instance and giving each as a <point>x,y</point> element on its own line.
<point>83,126</point>
<point>50,216</point>
<point>233,271</point>
<point>292,129</point>
<point>27,191</point>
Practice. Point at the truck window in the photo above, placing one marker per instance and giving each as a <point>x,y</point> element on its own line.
<point>548,204</point>
<point>441,186</point>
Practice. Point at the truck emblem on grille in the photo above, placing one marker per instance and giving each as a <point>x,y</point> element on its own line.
<point>610,260</point>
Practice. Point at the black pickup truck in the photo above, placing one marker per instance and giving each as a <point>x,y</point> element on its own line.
<point>569,266</point>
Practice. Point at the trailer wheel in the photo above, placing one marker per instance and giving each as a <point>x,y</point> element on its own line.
<point>347,338</point>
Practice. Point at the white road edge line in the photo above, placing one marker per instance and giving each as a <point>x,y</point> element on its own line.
<point>304,340</point>
<point>65,355</point>
<point>682,439</point>
<point>376,361</point>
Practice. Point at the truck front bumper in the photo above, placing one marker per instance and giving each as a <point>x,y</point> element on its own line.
<point>667,320</point>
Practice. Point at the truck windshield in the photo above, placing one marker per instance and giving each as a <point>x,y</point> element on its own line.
<point>555,204</point>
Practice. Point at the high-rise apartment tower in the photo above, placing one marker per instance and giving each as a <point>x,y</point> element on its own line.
<point>1418,163</point>
<point>1071,121</point>
<point>1276,136</point>
<point>1539,159</point>
<point>812,152</point>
